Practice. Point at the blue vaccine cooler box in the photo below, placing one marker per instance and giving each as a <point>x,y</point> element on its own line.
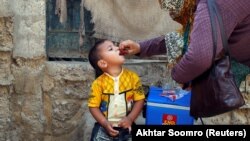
<point>162,110</point>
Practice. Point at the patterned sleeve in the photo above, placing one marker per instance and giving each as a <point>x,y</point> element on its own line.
<point>95,95</point>
<point>171,44</point>
<point>138,89</point>
<point>174,46</point>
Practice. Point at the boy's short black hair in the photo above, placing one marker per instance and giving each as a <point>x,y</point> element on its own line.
<point>94,57</point>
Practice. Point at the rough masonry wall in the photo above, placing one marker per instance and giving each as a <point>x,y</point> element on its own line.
<point>6,77</point>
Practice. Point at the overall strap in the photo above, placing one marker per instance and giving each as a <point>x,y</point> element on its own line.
<point>213,10</point>
<point>210,4</point>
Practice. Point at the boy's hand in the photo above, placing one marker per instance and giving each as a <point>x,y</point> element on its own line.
<point>109,128</point>
<point>125,123</point>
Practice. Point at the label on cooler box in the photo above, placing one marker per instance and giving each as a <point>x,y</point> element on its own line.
<point>168,119</point>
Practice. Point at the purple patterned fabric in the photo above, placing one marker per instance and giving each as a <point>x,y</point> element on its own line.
<point>236,20</point>
<point>155,46</point>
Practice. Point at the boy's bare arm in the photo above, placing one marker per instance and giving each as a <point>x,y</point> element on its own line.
<point>100,118</point>
<point>137,108</point>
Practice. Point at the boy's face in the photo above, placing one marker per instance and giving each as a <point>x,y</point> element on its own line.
<point>110,54</point>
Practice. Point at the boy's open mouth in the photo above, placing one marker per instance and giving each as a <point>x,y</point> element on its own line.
<point>123,52</point>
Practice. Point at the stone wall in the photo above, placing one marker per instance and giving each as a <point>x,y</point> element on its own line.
<point>47,101</point>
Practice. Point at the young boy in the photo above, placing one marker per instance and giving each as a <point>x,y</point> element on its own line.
<point>116,97</point>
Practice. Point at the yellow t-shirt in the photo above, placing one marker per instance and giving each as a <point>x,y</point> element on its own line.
<point>115,95</point>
